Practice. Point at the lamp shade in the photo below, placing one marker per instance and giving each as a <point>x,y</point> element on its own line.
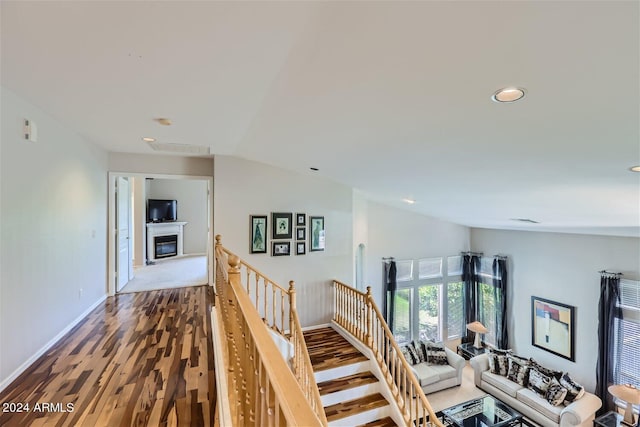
<point>477,327</point>
<point>626,392</point>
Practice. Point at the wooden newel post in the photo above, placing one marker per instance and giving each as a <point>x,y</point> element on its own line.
<point>234,270</point>
<point>369,319</point>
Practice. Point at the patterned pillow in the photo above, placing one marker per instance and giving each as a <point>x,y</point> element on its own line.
<point>556,394</point>
<point>518,370</point>
<point>545,371</point>
<point>421,347</point>
<point>539,382</point>
<point>409,352</point>
<point>436,354</point>
<point>574,390</point>
<point>498,362</point>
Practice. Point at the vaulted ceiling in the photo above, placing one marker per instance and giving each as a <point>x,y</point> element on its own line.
<point>392,98</point>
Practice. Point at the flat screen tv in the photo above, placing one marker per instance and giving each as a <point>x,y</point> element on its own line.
<point>162,210</point>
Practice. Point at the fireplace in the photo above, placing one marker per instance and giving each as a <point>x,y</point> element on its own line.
<point>167,232</point>
<point>166,246</point>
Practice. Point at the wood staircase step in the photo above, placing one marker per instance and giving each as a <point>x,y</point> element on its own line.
<point>350,381</point>
<point>355,406</point>
<point>328,349</point>
<point>384,422</point>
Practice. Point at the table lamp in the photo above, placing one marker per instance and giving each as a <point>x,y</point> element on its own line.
<point>631,395</point>
<point>478,328</point>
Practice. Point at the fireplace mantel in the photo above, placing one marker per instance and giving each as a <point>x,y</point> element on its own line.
<point>164,229</point>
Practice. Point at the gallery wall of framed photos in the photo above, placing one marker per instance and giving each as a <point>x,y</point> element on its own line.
<point>297,233</point>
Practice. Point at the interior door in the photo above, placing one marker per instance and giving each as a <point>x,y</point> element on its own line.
<point>123,220</point>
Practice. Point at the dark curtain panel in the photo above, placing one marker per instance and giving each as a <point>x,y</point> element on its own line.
<point>500,298</point>
<point>470,264</point>
<point>390,291</point>
<point>608,313</point>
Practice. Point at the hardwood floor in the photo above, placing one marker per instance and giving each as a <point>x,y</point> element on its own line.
<point>142,359</point>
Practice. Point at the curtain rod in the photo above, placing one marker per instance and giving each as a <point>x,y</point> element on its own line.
<point>500,256</point>
<point>471,253</point>
<point>387,258</point>
<point>608,272</point>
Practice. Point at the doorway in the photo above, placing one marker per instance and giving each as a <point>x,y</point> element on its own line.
<point>129,262</point>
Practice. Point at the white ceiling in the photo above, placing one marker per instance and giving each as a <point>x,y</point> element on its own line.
<point>391,98</point>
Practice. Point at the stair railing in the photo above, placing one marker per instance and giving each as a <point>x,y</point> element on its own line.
<point>356,312</point>
<point>262,391</point>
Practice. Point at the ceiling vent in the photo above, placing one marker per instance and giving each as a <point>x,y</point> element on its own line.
<point>179,148</point>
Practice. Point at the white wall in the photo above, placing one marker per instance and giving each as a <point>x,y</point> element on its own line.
<point>53,231</point>
<point>403,234</point>
<point>191,195</point>
<point>139,220</point>
<point>243,188</point>
<point>160,164</point>
<point>562,268</point>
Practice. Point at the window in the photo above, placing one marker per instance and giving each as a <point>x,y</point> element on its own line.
<point>428,303</point>
<point>628,362</point>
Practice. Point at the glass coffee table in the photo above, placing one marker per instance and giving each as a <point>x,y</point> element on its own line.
<point>486,411</point>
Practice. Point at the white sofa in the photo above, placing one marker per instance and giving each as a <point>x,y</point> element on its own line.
<point>581,412</point>
<point>433,377</point>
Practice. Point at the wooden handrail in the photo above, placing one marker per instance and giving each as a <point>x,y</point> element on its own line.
<point>358,313</point>
<point>253,363</point>
<point>270,299</point>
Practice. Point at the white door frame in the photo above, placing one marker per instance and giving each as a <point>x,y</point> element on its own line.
<point>112,232</point>
<point>123,223</point>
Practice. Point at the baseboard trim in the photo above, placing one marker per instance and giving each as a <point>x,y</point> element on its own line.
<point>11,378</point>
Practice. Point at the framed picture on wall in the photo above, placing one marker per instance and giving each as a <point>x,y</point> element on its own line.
<point>281,248</point>
<point>301,219</point>
<point>301,248</point>
<point>282,225</point>
<point>258,233</point>
<point>301,233</point>
<point>316,233</point>
<point>553,327</point>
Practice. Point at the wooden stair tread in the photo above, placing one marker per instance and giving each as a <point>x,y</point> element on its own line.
<point>344,383</point>
<point>355,406</point>
<point>384,422</point>
<point>328,349</point>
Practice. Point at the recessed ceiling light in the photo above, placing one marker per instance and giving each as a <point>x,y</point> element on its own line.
<point>148,139</point>
<point>635,168</point>
<point>409,201</point>
<point>508,94</point>
<point>164,121</point>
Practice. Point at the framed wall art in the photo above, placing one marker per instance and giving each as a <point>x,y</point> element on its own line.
<point>316,233</point>
<point>281,248</point>
<point>301,233</point>
<point>282,225</point>
<point>258,233</point>
<point>553,327</point>
<point>301,248</point>
<point>301,219</point>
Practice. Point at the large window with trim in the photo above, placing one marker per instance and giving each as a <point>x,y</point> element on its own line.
<point>428,301</point>
<point>628,338</point>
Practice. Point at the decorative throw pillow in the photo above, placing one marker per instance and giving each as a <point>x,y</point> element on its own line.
<point>436,354</point>
<point>409,352</point>
<point>421,347</point>
<point>574,390</point>
<point>498,362</point>
<point>518,370</point>
<point>556,394</point>
<point>545,371</point>
<point>539,382</point>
